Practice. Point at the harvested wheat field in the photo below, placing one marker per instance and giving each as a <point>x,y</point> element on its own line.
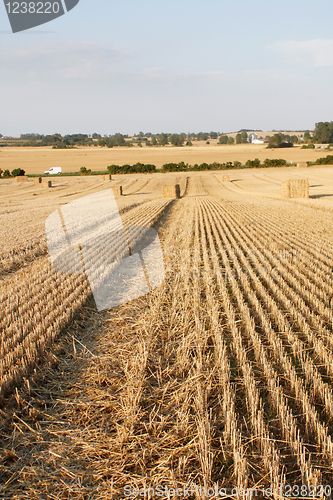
<point>38,160</point>
<point>221,378</point>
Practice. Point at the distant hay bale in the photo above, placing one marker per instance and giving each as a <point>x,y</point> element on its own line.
<point>107,177</point>
<point>37,180</point>
<point>295,188</point>
<point>172,191</point>
<point>118,190</point>
<point>47,184</point>
<point>21,178</point>
<point>302,165</point>
<point>225,178</point>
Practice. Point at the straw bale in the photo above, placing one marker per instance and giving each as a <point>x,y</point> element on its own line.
<point>172,191</point>
<point>37,180</point>
<point>107,177</point>
<point>225,178</point>
<point>295,188</point>
<point>118,190</point>
<point>303,164</point>
<point>21,178</point>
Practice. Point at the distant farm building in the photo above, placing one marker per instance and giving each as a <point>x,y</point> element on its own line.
<point>252,137</point>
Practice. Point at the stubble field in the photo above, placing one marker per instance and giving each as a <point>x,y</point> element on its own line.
<point>221,377</point>
<point>37,160</point>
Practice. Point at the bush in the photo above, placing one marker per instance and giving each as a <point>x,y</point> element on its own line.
<point>253,163</point>
<point>282,145</point>
<point>216,166</point>
<point>275,162</point>
<point>175,167</point>
<point>17,172</point>
<point>327,160</point>
<point>129,169</point>
<point>237,164</point>
<point>6,174</point>
<point>170,167</point>
<point>308,146</point>
<point>201,167</point>
<point>84,171</point>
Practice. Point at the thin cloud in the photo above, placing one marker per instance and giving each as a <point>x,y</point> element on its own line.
<point>316,53</point>
<point>65,61</point>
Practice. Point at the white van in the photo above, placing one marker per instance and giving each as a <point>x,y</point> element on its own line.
<point>53,170</point>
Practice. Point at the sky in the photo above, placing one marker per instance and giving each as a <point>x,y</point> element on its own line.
<point>169,66</point>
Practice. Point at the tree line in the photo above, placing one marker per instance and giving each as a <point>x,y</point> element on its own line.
<point>180,167</point>
<point>17,172</point>
<point>323,134</point>
<point>130,169</point>
<point>57,141</point>
<point>185,167</point>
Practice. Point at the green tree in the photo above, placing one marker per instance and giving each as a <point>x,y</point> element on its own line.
<point>50,140</point>
<point>307,136</point>
<point>119,139</point>
<point>231,140</point>
<point>323,132</point>
<point>275,140</point>
<point>6,174</point>
<point>280,141</point>
<point>153,140</point>
<point>177,139</point>
<point>163,139</point>
<point>29,137</point>
<point>202,136</point>
<point>241,138</point>
<point>182,138</point>
<point>85,171</point>
<point>17,172</point>
<point>244,137</point>
<point>213,135</point>
<point>223,139</point>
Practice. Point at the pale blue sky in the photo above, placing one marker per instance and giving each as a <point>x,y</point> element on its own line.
<point>170,65</point>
